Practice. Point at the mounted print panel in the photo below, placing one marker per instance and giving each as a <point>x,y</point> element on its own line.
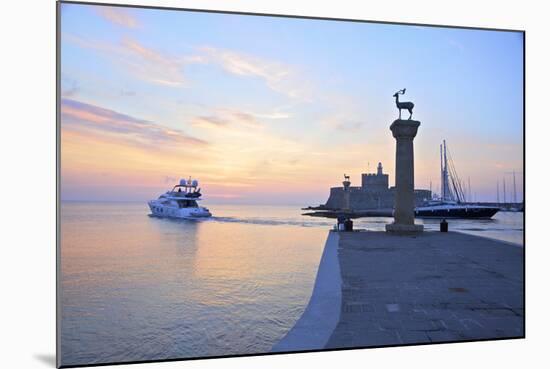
<point>239,184</point>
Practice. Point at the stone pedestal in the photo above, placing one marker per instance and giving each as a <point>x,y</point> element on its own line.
<point>346,204</point>
<point>404,132</point>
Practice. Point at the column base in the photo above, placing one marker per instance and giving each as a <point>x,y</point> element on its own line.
<point>404,228</point>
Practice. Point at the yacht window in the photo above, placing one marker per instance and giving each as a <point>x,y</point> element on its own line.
<point>187,203</point>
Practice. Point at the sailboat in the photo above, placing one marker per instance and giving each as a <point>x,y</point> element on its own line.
<point>451,204</point>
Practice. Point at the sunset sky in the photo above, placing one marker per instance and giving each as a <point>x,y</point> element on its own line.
<point>276,110</point>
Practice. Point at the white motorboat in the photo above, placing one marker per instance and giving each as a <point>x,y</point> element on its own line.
<point>180,202</point>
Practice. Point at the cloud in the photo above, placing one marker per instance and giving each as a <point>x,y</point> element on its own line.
<point>208,120</point>
<point>164,69</point>
<point>349,125</point>
<point>225,117</point>
<point>277,76</point>
<point>275,115</point>
<point>240,117</point>
<point>142,62</point>
<point>456,44</point>
<point>124,92</point>
<point>152,65</point>
<point>343,123</point>
<point>118,16</point>
<point>70,92</point>
<point>69,87</point>
<point>81,116</point>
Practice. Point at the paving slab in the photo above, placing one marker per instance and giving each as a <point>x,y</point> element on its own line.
<point>430,287</point>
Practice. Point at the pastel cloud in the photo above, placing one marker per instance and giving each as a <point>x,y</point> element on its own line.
<point>343,123</point>
<point>457,45</point>
<point>274,115</point>
<point>277,76</point>
<point>208,120</point>
<point>140,61</point>
<point>225,117</point>
<point>164,69</point>
<point>82,116</point>
<point>118,16</point>
<point>154,66</point>
<point>69,87</point>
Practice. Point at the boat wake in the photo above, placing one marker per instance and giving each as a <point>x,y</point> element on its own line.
<point>273,222</point>
<point>257,221</point>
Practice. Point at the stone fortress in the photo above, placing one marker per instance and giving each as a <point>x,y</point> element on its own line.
<point>374,193</point>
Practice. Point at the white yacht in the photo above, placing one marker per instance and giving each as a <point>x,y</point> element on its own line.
<point>180,202</point>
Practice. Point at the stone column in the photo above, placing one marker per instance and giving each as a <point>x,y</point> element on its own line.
<point>404,132</point>
<point>346,205</point>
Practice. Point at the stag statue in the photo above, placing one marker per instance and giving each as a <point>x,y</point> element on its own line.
<point>403,105</point>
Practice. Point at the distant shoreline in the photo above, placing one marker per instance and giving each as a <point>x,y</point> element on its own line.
<point>210,203</point>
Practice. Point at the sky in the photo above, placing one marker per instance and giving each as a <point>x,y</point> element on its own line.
<point>268,110</point>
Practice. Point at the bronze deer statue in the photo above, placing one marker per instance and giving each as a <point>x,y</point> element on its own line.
<point>403,105</point>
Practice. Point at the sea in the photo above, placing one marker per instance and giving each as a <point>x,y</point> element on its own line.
<point>135,287</point>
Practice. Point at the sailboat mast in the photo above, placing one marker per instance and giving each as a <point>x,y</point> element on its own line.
<point>515,195</point>
<point>504,189</point>
<point>445,172</point>
<point>442,178</point>
<point>469,190</point>
<point>498,191</point>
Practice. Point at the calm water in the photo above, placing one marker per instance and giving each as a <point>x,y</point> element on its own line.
<point>136,287</point>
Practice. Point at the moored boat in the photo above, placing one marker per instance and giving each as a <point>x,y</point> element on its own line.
<point>450,209</point>
<point>452,204</point>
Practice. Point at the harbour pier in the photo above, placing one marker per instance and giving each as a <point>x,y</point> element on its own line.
<point>413,289</point>
<point>407,286</point>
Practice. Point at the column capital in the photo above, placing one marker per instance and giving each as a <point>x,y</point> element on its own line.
<point>404,128</point>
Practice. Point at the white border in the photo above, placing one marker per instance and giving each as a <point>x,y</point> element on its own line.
<point>27,150</point>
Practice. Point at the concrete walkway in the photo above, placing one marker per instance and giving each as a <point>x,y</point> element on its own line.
<point>314,328</point>
<point>435,287</point>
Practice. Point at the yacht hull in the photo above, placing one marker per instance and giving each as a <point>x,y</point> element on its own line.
<point>184,213</point>
<point>456,212</point>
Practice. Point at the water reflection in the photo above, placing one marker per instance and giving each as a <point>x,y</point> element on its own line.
<point>504,226</point>
<point>135,287</point>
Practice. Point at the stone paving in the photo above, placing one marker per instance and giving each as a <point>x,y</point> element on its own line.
<point>434,287</point>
